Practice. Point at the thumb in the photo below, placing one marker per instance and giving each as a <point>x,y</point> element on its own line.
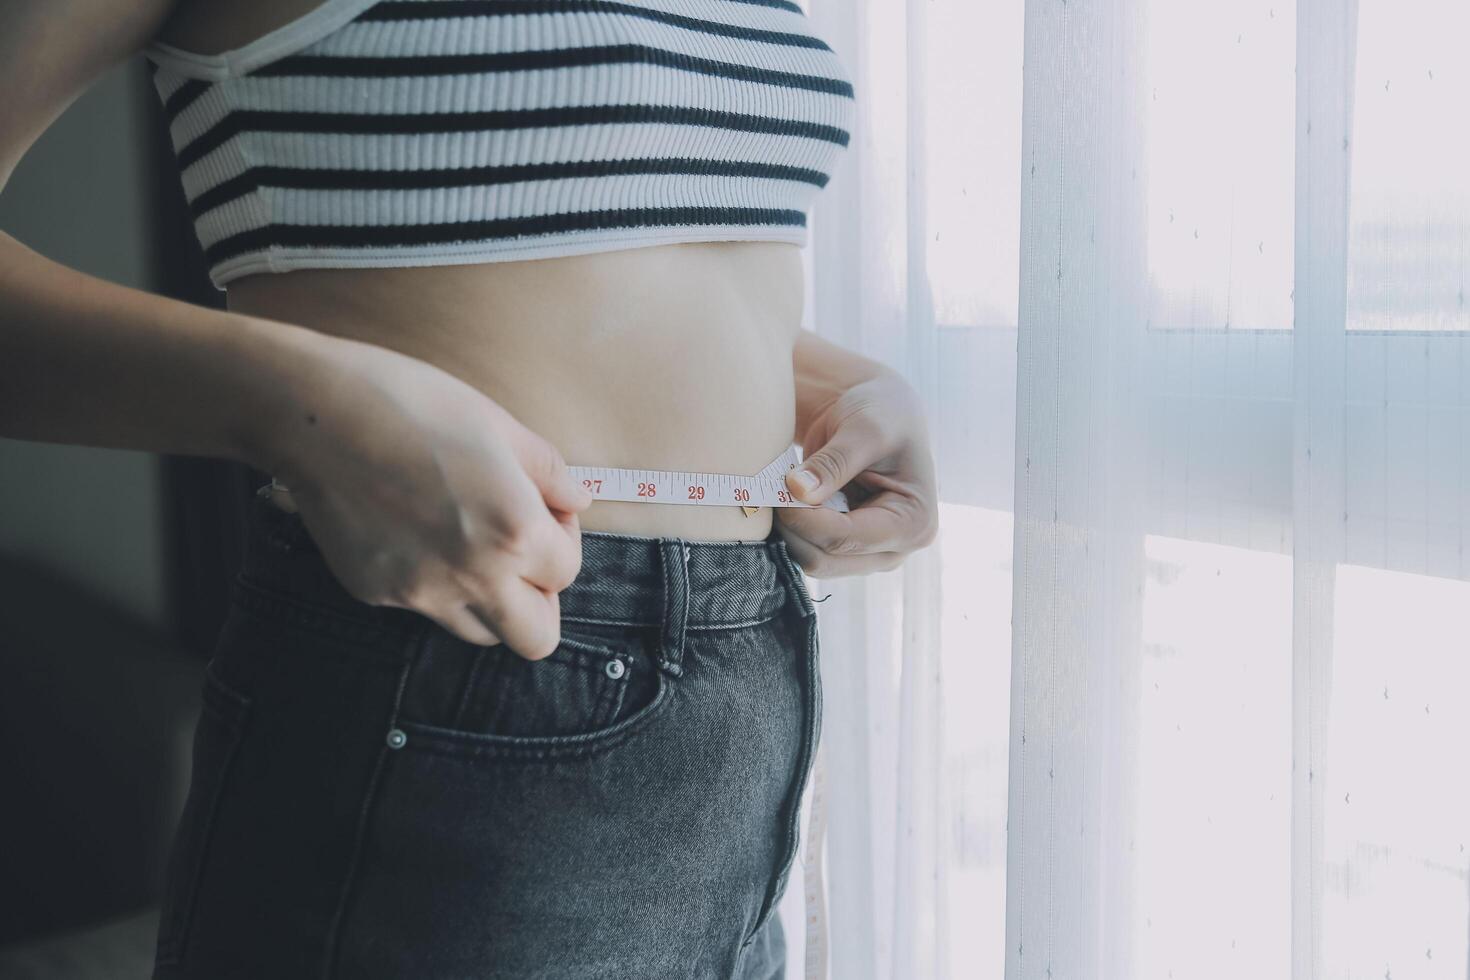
<point>560,490</point>
<point>828,469</point>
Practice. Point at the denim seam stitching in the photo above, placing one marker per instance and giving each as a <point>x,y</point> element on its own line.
<point>470,745</point>
<point>811,733</point>
<point>740,624</point>
<point>791,576</point>
<point>171,953</point>
<point>469,686</point>
<point>672,665</point>
<point>334,931</point>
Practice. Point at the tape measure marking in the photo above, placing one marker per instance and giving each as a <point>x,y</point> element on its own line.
<point>764,489</point>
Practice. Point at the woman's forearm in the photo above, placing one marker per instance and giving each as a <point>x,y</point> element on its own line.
<point>87,362</point>
<point>823,372</point>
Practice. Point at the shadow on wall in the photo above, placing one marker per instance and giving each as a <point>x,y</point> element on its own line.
<point>114,576</point>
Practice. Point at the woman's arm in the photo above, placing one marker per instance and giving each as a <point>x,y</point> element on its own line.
<point>860,424</point>
<point>87,362</point>
<point>419,490</point>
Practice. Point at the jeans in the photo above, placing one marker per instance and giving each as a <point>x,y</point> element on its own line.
<point>374,797</point>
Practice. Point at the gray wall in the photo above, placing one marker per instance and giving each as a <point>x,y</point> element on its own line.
<point>78,197</point>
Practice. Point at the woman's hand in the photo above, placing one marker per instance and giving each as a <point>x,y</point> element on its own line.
<point>862,430</point>
<point>423,493</point>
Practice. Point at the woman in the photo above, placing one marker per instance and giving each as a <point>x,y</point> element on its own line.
<point>465,720</point>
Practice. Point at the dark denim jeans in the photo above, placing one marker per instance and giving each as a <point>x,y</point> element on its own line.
<point>373,797</point>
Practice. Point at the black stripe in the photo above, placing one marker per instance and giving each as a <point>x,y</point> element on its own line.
<point>440,9</point>
<point>184,96</point>
<point>615,54</point>
<point>780,4</point>
<point>337,180</point>
<point>359,236</point>
<point>253,120</point>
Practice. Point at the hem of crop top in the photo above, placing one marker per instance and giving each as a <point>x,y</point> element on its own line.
<point>277,43</point>
<point>471,253</point>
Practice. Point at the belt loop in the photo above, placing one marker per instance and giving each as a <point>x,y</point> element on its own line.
<point>674,557</point>
<point>792,575</point>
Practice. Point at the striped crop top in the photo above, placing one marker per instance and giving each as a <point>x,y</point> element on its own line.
<point>372,133</point>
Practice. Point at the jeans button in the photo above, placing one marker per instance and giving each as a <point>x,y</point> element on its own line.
<point>615,669</point>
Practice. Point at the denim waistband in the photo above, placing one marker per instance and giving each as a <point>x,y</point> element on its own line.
<point>629,579</point>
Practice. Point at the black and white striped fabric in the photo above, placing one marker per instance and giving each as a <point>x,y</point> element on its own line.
<point>428,132</point>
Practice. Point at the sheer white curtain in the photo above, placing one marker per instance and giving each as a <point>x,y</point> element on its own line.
<point>1182,689</point>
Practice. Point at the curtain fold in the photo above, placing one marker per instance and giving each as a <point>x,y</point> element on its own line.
<point>1181,689</point>
<point>1078,535</point>
<point>1326,45</point>
<point>887,838</point>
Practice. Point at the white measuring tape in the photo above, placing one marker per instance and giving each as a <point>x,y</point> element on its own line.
<point>764,489</point>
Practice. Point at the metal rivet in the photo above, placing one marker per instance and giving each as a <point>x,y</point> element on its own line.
<point>396,739</point>
<point>615,669</point>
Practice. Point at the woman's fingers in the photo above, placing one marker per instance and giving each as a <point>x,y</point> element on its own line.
<point>455,617</point>
<point>822,564</point>
<point>469,625</point>
<point>527,618</point>
<point>548,471</point>
<point>551,557</point>
<point>856,445</point>
<point>887,522</point>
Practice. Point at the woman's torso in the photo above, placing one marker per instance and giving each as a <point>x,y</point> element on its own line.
<point>659,357</point>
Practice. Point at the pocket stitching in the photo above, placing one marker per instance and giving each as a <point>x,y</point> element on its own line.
<point>609,696</point>
<point>231,708</point>
<point>450,742</point>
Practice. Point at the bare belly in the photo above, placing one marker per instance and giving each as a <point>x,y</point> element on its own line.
<point>671,357</point>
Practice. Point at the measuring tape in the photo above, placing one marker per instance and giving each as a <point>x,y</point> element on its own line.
<point>765,489</point>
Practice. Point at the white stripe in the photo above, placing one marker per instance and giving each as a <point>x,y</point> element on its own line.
<point>279,259</point>
<point>726,11</point>
<point>544,89</point>
<point>418,151</point>
<point>493,92</point>
<point>444,205</point>
<point>502,34</point>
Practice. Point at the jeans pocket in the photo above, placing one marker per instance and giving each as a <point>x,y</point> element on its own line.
<point>600,684</point>
<point>222,719</point>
